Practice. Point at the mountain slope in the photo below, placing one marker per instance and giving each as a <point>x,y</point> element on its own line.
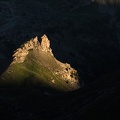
<point>35,64</point>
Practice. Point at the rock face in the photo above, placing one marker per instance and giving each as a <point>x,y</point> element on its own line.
<point>45,45</point>
<point>62,70</point>
<point>21,53</point>
<point>68,74</point>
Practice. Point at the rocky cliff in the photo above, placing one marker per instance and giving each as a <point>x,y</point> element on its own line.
<point>21,53</point>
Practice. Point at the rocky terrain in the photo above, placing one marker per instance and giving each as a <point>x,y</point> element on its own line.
<point>100,100</point>
<point>83,33</point>
<point>21,53</point>
<point>35,60</point>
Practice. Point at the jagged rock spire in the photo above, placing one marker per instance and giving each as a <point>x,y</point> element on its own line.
<point>21,53</point>
<point>45,45</point>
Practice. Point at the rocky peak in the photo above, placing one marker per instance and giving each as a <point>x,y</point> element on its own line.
<point>45,44</point>
<point>21,53</point>
<point>46,58</point>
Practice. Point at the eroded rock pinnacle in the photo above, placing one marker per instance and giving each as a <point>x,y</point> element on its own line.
<point>21,53</point>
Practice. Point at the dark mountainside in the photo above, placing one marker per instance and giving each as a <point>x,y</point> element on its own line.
<point>83,33</point>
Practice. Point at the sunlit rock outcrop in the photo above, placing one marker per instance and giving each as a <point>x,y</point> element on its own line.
<point>35,59</point>
<point>68,74</point>
<point>45,45</point>
<point>21,53</point>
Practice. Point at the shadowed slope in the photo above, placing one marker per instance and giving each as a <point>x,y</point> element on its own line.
<point>99,100</point>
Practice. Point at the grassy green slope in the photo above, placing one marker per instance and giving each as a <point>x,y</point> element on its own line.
<point>34,71</point>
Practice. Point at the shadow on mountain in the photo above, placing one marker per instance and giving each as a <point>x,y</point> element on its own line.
<point>89,39</point>
<point>99,100</point>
